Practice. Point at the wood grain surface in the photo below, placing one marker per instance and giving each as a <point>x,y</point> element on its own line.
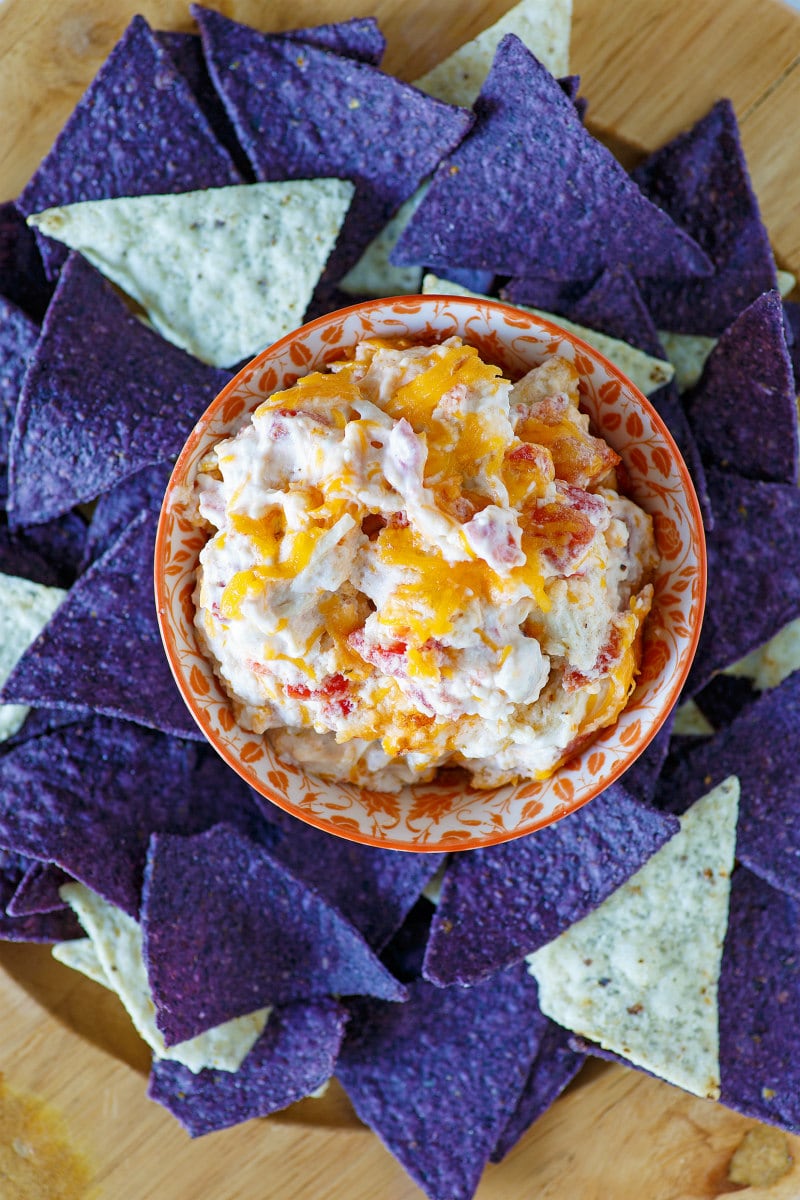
<point>649,69</point>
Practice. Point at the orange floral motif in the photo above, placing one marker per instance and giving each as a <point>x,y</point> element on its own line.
<point>198,682</point>
<point>225,718</point>
<point>609,393</point>
<point>251,752</point>
<point>232,408</point>
<point>278,780</point>
<point>661,461</point>
<point>654,660</point>
<point>564,789</point>
<point>433,805</point>
<point>530,810</point>
<point>633,425</point>
<point>595,762</point>
<point>668,538</point>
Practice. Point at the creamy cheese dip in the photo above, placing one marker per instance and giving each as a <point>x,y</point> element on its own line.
<point>413,563</point>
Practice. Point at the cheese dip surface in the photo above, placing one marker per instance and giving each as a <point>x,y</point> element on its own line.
<point>413,562</point>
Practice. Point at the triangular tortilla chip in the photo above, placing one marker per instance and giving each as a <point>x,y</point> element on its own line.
<point>293,1058</point>
<point>770,664</point>
<point>103,397</point>
<point>753,570</point>
<point>759,1004</point>
<point>220,273</point>
<point>88,795</point>
<point>639,975</point>
<point>83,659</point>
<point>228,929</point>
<point>688,354</point>
<point>22,279</point>
<point>25,609</point>
<point>18,337</point>
<point>530,191</point>
<point>38,890</point>
<point>544,27</point>
<point>322,115</point>
<point>116,940</point>
<point>743,412</point>
<point>437,1078</point>
<point>701,179</point>
<point>137,130</point>
<point>503,902</point>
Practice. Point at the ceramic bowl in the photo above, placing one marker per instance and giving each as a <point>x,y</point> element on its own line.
<point>448,815</point>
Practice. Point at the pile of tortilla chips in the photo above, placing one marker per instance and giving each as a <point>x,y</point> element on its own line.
<point>229,184</point>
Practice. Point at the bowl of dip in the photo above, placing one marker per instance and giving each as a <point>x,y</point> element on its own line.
<point>430,573</point>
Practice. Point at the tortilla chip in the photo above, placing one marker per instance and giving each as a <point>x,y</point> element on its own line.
<point>503,902</point>
<point>770,664</point>
<point>556,1065</point>
<point>40,927</point>
<point>22,279</point>
<point>404,954</point>
<point>437,1078</point>
<point>25,609</point>
<point>373,274</point>
<point>103,397</point>
<point>724,698</point>
<point>228,929</point>
<point>18,337</point>
<point>293,1058</point>
<point>117,942</point>
<point>80,955</point>
<point>137,130</point>
<point>691,722</point>
<point>542,25</point>
<point>701,179</point>
<point>327,116</point>
<point>787,282</point>
<point>646,373</point>
<point>374,889</point>
<point>688,354</point>
<point>50,553</point>
<point>743,412</point>
<point>116,510</point>
<point>760,747</point>
<point>88,796</point>
<point>83,660</point>
<point>759,1004</point>
<point>753,570</point>
<point>641,778</point>
<point>220,273</point>
<point>791,312</point>
<point>529,190</point>
<point>38,891</point>
<point>639,975</point>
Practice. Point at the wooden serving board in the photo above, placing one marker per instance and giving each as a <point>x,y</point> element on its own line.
<point>649,69</point>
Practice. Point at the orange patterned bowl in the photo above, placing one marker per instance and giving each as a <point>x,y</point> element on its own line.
<point>445,815</point>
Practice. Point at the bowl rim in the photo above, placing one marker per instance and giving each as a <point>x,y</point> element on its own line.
<point>163,608</point>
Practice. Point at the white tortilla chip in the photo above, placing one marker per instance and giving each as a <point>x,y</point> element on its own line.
<point>117,943</point>
<point>221,273</point>
<point>770,664</point>
<point>688,353</point>
<point>787,282</point>
<point>639,975</point>
<point>691,722</point>
<point>373,274</point>
<point>25,609</point>
<point>81,955</point>
<point>646,373</point>
<point>544,27</point>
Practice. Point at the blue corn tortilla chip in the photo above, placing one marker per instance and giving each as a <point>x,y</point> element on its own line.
<point>87,797</point>
<point>37,722</point>
<point>227,929</point>
<point>502,902</point>
<point>475,281</point>
<point>791,312</point>
<point>13,867</point>
<point>22,278</point>
<point>438,1077</point>
<point>555,1066</point>
<point>293,1057</point>
<point>743,412</point>
<point>724,698</point>
<point>373,888</point>
<point>117,509</point>
<point>137,131</point>
<point>669,406</point>
<point>18,336</point>
<point>759,1004</point>
<point>405,953</point>
<point>37,891</point>
<point>50,553</point>
<point>40,927</point>
<point>302,112</point>
<point>101,652</point>
<point>551,295</point>
<point>760,747</point>
<point>753,570</point>
<point>530,191</point>
<point>701,179</point>
<point>103,397</point>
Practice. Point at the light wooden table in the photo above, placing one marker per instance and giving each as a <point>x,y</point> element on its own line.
<point>649,69</point>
